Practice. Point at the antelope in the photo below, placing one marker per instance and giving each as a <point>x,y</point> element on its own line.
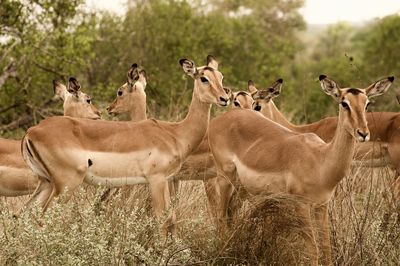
<point>16,179</point>
<point>131,99</point>
<point>116,154</point>
<point>325,128</point>
<point>382,149</point>
<point>242,99</point>
<point>263,157</point>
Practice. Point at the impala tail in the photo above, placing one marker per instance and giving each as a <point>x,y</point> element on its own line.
<point>33,159</point>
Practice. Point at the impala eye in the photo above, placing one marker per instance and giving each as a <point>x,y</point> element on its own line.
<point>236,104</point>
<point>366,107</point>
<point>119,93</point>
<point>204,80</point>
<point>345,105</point>
<point>88,101</point>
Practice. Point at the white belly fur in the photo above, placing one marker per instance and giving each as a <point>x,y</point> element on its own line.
<point>260,183</point>
<point>121,169</point>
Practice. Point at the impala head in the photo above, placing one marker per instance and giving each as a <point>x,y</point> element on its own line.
<point>76,103</point>
<point>131,93</point>
<point>242,99</point>
<point>353,103</point>
<point>207,81</point>
<point>262,97</point>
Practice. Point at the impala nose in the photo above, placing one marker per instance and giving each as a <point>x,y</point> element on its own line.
<point>362,136</point>
<point>224,101</point>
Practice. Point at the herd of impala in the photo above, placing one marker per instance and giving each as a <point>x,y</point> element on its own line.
<point>251,148</point>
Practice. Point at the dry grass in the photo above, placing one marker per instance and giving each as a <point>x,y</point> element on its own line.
<point>365,229</point>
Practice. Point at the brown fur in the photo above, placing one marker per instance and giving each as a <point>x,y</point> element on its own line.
<point>173,141</point>
<point>17,179</point>
<point>265,157</point>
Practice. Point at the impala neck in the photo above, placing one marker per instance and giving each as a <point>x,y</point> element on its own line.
<point>272,112</point>
<point>191,130</point>
<point>339,155</point>
<point>138,111</point>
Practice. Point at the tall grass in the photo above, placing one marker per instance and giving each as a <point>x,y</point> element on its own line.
<point>365,229</point>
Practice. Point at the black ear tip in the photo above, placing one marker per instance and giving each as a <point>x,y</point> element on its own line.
<point>322,77</point>
<point>72,79</point>
<point>210,58</point>
<point>391,78</point>
<point>250,83</point>
<point>280,80</point>
<point>134,65</point>
<point>55,82</point>
<point>182,61</point>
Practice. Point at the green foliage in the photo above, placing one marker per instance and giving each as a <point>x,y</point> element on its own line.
<point>253,40</point>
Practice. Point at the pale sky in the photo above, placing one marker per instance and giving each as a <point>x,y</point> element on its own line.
<point>314,11</point>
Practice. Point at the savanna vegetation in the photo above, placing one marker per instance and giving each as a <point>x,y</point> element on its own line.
<point>42,40</point>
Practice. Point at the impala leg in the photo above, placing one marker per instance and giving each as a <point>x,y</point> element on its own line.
<point>212,198</point>
<point>65,182</point>
<point>40,195</point>
<point>173,187</point>
<point>394,154</point>
<point>322,219</point>
<point>160,194</point>
<point>224,194</point>
<point>304,211</point>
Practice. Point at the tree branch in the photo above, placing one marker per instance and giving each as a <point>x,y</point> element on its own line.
<point>8,71</point>
<point>47,69</point>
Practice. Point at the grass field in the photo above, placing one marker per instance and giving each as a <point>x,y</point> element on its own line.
<point>365,229</point>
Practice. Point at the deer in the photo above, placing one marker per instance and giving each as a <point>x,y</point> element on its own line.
<point>16,179</point>
<point>118,154</point>
<point>263,157</point>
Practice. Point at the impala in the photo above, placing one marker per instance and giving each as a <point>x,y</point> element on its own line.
<point>242,99</point>
<point>65,152</point>
<point>16,179</point>
<point>382,149</point>
<point>325,128</point>
<point>264,157</point>
<point>131,99</point>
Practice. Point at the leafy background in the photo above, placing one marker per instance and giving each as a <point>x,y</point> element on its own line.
<point>44,40</point>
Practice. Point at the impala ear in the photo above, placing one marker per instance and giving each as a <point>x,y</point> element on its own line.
<point>59,89</point>
<point>379,87</point>
<point>276,88</point>
<point>73,86</point>
<point>133,76</point>
<point>143,77</point>
<point>211,62</point>
<point>189,67</point>
<point>251,87</point>
<point>271,92</point>
<point>330,87</point>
